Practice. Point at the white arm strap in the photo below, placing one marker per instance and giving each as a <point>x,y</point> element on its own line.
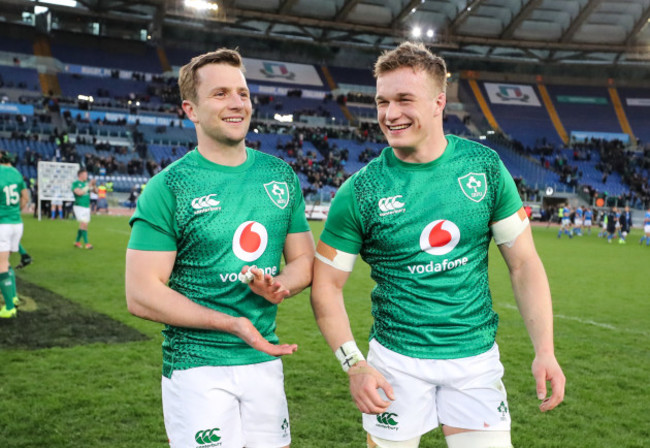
<point>507,230</point>
<point>340,260</point>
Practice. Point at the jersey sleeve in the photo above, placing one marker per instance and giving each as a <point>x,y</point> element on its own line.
<point>145,236</point>
<point>298,219</point>
<point>343,229</point>
<point>156,207</point>
<point>508,201</point>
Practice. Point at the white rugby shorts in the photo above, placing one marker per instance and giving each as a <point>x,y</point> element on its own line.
<point>227,407</point>
<point>566,222</point>
<point>464,393</point>
<point>578,222</point>
<point>81,213</point>
<point>646,229</point>
<point>588,222</point>
<point>10,235</point>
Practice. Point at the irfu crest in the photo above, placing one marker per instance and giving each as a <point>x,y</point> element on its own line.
<point>278,192</point>
<point>474,185</point>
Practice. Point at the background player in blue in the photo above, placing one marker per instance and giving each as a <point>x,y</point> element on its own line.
<point>198,224</point>
<point>565,222</point>
<point>588,220</point>
<point>646,229</point>
<point>577,221</point>
<point>434,327</point>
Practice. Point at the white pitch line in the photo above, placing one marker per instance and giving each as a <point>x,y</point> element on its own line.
<point>123,232</point>
<point>585,321</point>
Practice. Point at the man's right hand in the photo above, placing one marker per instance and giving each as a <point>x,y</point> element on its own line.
<point>364,382</point>
<point>245,330</point>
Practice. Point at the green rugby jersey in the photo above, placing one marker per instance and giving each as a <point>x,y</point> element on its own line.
<point>218,219</point>
<point>11,186</point>
<point>424,230</point>
<point>84,199</point>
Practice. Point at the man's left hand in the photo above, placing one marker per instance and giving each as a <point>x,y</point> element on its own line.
<point>266,285</point>
<point>546,368</point>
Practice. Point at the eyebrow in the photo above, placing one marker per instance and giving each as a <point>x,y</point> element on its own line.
<point>229,89</point>
<point>399,95</point>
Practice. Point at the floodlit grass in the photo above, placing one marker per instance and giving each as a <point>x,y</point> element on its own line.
<point>108,394</point>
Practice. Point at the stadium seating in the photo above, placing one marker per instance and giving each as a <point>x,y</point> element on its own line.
<point>527,124</point>
<point>74,85</point>
<point>108,54</point>
<point>584,108</point>
<point>639,115</point>
<point>19,78</point>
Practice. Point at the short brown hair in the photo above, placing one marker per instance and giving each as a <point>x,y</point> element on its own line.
<point>415,56</point>
<point>187,82</point>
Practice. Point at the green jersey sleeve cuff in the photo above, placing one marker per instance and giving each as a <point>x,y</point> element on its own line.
<point>145,236</point>
<point>339,243</point>
<point>508,200</point>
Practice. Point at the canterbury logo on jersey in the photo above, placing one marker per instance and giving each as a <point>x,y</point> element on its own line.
<point>205,204</point>
<point>390,205</point>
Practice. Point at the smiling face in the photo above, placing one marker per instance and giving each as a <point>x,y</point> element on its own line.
<point>222,109</point>
<point>409,108</point>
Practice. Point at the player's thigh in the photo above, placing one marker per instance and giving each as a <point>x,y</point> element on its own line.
<point>82,214</point>
<point>475,397</point>
<point>413,412</point>
<point>201,408</point>
<point>10,235</point>
<point>264,410</point>
<point>6,233</point>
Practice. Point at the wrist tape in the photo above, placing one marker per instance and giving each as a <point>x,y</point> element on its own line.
<point>348,355</point>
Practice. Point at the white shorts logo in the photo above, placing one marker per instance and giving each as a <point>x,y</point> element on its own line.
<point>439,237</point>
<point>390,204</point>
<point>250,240</point>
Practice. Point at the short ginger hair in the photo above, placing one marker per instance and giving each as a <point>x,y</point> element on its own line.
<point>415,56</point>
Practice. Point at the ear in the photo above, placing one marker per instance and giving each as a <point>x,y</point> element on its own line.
<point>188,108</point>
<point>441,102</point>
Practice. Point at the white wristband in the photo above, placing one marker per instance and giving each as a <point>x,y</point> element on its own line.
<point>348,355</point>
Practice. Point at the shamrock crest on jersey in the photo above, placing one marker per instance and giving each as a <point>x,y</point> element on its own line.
<point>474,186</point>
<point>278,192</point>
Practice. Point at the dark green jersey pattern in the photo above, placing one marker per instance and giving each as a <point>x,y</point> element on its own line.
<point>219,219</point>
<point>424,230</point>
<point>82,200</point>
<point>11,187</point>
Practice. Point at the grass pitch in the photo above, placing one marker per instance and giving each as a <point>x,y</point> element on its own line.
<point>79,370</point>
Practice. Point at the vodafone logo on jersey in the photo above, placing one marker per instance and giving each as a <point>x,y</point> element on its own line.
<point>439,237</point>
<point>250,241</point>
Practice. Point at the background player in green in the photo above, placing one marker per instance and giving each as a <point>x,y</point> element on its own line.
<point>14,196</point>
<point>422,216</point>
<point>81,189</point>
<point>199,225</point>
